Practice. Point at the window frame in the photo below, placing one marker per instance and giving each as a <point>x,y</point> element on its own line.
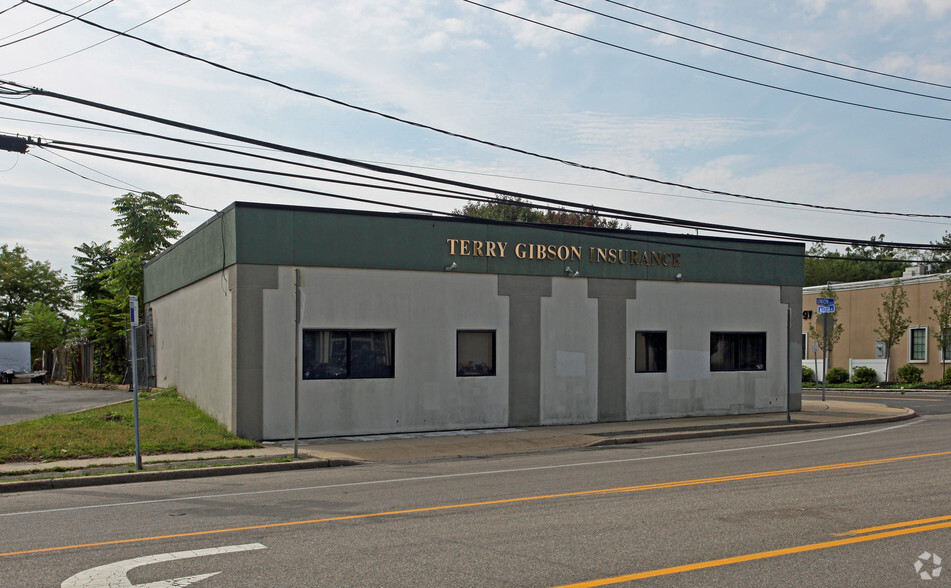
<point>737,338</point>
<point>637,353</point>
<point>911,344</point>
<point>493,368</point>
<point>348,352</point>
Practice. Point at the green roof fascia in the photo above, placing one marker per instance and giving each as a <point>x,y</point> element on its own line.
<point>316,237</point>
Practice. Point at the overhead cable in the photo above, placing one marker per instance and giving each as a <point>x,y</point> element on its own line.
<point>602,211</point>
<point>467,137</point>
<point>775,48</point>
<point>387,170</point>
<point>705,70</point>
<point>38,33</point>
<point>751,56</point>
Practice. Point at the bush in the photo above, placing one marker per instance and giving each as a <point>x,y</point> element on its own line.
<point>810,376</point>
<point>837,375</point>
<point>947,374</point>
<point>864,375</point>
<point>910,374</point>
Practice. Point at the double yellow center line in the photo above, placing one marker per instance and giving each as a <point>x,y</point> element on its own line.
<point>623,489</point>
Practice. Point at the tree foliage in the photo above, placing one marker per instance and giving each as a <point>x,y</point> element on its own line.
<point>24,281</point>
<point>892,320</point>
<point>514,209</point>
<point>106,276</point>
<point>42,327</point>
<point>858,263</point>
<point>941,314</point>
<point>826,341</point>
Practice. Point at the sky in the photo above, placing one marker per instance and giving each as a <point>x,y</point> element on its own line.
<point>611,95</point>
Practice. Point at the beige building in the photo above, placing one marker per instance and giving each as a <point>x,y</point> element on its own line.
<point>857,310</point>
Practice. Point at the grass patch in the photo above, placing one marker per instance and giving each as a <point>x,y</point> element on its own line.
<point>168,423</point>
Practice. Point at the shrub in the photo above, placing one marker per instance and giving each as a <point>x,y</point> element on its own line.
<point>810,376</point>
<point>837,375</point>
<point>864,375</point>
<point>910,374</point>
<point>947,374</point>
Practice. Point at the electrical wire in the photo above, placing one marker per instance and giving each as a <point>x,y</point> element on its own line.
<point>775,48</point>
<point>39,24</point>
<point>20,3</point>
<point>705,70</point>
<point>381,169</point>
<point>550,204</point>
<point>161,14</point>
<point>750,56</point>
<point>461,136</point>
<point>38,33</point>
<point>622,234</point>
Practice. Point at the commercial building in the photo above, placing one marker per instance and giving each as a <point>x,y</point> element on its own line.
<point>422,323</point>
<point>857,308</point>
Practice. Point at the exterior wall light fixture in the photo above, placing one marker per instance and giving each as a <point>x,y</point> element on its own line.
<point>450,267</point>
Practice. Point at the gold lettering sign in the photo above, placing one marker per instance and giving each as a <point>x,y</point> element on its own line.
<point>566,253</point>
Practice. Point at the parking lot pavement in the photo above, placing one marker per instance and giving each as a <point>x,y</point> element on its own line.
<point>24,402</point>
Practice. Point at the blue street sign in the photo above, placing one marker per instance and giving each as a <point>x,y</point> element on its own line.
<point>825,301</point>
<point>826,309</point>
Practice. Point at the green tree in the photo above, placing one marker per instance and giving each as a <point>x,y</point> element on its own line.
<point>827,340</point>
<point>892,320</point>
<point>858,263</point>
<point>145,222</point>
<point>42,327</point>
<point>942,316</point>
<point>107,276</point>
<point>514,209</point>
<point>23,282</point>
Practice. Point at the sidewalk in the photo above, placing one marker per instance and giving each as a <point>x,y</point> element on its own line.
<point>429,446</point>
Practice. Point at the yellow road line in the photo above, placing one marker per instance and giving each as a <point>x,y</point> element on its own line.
<point>896,525</point>
<point>876,397</point>
<point>755,556</point>
<point>603,491</point>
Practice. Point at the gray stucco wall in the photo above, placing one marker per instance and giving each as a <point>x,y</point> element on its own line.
<point>193,339</point>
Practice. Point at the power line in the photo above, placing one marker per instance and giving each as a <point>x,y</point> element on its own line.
<point>9,8</point>
<point>465,137</point>
<point>550,204</point>
<point>106,40</point>
<point>708,71</point>
<point>750,56</point>
<point>623,235</point>
<point>345,161</point>
<point>775,48</point>
<point>38,33</point>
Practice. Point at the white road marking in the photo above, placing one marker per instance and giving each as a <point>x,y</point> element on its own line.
<point>115,575</point>
<point>458,475</point>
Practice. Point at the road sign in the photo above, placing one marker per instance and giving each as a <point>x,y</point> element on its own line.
<point>825,301</point>
<point>134,311</point>
<point>826,309</point>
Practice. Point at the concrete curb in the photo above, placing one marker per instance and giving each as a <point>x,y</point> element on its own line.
<point>173,474</point>
<point>675,436</point>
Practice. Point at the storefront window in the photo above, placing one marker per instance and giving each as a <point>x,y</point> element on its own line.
<point>341,354</point>
<point>650,351</point>
<point>730,352</point>
<point>475,353</point>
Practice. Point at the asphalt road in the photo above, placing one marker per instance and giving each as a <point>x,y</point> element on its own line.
<point>25,402</point>
<point>924,403</point>
<point>844,507</point>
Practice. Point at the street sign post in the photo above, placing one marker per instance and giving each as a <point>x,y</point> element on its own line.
<point>827,309</point>
<point>825,301</point>
<point>133,323</point>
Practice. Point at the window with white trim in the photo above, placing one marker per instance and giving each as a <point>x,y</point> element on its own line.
<point>918,344</point>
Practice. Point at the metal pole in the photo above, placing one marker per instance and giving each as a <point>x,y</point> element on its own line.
<point>297,366</point>
<point>788,368</point>
<point>135,401</point>
<point>825,361</point>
